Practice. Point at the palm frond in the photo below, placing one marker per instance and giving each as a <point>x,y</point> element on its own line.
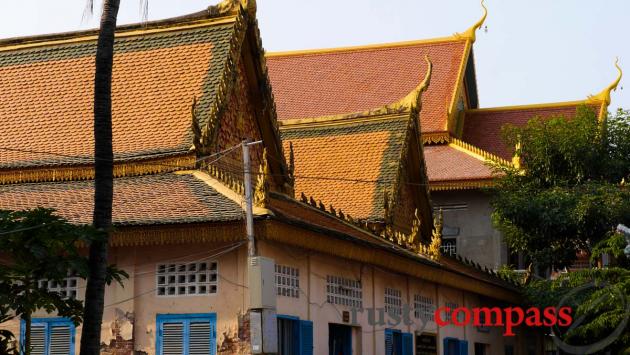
<point>88,11</point>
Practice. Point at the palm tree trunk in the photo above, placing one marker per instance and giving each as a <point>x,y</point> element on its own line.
<point>103,180</point>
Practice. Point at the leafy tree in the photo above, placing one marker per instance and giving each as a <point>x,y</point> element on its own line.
<point>571,191</point>
<point>600,303</point>
<point>568,196</point>
<point>39,245</point>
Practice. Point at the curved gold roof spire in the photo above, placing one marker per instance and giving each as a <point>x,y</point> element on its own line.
<point>413,98</point>
<point>470,32</point>
<point>604,95</point>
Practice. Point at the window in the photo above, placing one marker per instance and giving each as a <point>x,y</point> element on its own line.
<point>50,336</point>
<point>288,281</point>
<point>423,308</point>
<point>186,334</point>
<point>393,301</point>
<point>454,346</point>
<point>398,343</point>
<point>449,246</point>
<point>345,292</point>
<point>188,279</point>
<point>295,336</point>
<point>339,339</point>
<point>453,306</point>
<point>67,287</point>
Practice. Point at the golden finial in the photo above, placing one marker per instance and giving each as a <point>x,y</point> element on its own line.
<point>436,238</point>
<point>516,159</point>
<point>413,98</point>
<point>471,32</point>
<point>604,95</point>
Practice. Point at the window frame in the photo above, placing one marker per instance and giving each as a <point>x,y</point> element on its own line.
<point>49,322</point>
<point>185,319</point>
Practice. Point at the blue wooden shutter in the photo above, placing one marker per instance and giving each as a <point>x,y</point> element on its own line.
<point>463,347</point>
<point>39,339</point>
<point>407,344</point>
<point>389,342</point>
<point>172,336</point>
<point>306,337</point>
<point>60,339</point>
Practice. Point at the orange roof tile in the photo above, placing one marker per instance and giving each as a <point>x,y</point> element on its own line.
<point>47,94</point>
<point>347,165</point>
<point>446,163</point>
<point>143,200</point>
<point>345,81</point>
<point>482,128</point>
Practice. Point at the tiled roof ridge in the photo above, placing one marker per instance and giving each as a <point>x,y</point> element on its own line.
<point>86,172</point>
<point>214,14</point>
<point>467,35</point>
<point>364,48</point>
<point>533,106</point>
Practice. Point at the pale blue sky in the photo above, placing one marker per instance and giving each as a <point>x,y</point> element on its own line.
<point>534,51</point>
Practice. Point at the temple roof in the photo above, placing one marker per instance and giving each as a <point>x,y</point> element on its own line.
<point>46,102</point>
<point>169,198</point>
<point>327,82</point>
<point>347,164</point>
<point>482,127</point>
<point>447,163</point>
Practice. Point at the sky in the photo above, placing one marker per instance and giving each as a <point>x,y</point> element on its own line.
<point>534,51</point>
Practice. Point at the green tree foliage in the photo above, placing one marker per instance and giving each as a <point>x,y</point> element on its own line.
<point>569,195</point>
<point>571,191</point>
<point>36,245</point>
<point>600,303</point>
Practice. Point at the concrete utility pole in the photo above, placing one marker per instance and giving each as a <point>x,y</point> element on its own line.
<point>261,276</point>
<point>249,204</point>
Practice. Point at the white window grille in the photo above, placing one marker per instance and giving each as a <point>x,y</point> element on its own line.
<point>67,288</point>
<point>288,281</point>
<point>453,306</point>
<point>449,246</point>
<point>187,279</point>
<point>344,292</point>
<point>393,301</point>
<point>423,308</point>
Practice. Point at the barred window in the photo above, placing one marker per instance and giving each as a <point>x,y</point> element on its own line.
<point>187,279</point>
<point>453,306</point>
<point>423,308</point>
<point>67,288</point>
<point>343,291</point>
<point>393,301</point>
<point>288,281</point>
<point>449,246</point>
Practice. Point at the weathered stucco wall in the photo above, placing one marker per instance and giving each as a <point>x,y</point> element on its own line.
<point>467,219</point>
<point>130,317</point>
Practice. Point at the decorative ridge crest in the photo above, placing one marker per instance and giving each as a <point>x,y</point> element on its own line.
<point>478,151</point>
<point>470,33</point>
<point>227,178</point>
<point>604,95</point>
<point>232,6</point>
<point>410,242</point>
